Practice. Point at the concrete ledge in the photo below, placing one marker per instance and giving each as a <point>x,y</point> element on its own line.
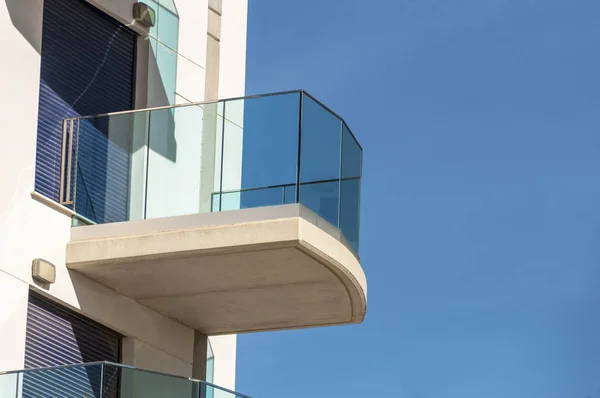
<point>269,268</point>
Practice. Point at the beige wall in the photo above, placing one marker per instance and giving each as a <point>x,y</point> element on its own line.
<point>144,356</point>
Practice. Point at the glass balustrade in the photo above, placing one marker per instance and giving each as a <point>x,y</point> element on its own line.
<point>233,154</point>
<point>105,380</point>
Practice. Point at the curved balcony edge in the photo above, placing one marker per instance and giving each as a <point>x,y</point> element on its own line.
<point>270,268</point>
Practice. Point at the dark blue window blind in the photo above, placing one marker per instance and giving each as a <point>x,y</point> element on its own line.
<point>87,67</point>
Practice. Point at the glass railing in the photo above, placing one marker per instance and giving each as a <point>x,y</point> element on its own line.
<point>105,380</point>
<point>233,154</point>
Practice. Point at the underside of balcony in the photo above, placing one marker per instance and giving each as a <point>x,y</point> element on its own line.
<point>267,268</point>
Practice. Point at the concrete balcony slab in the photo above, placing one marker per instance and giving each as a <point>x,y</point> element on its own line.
<point>267,268</point>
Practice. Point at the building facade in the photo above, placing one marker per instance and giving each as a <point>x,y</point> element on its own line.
<point>148,211</point>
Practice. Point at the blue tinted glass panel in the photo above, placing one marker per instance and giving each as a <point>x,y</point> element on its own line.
<point>216,202</point>
<point>169,5</point>
<point>168,29</point>
<point>230,201</point>
<point>140,383</point>
<point>351,155</point>
<point>323,199</point>
<point>262,197</point>
<point>321,141</point>
<point>289,194</point>
<point>350,211</point>
<point>270,138</point>
<point>232,150</point>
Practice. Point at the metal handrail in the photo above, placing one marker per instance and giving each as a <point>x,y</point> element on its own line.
<point>298,91</point>
<point>292,184</point>
<point>68,131</point>
<point>158,108</point>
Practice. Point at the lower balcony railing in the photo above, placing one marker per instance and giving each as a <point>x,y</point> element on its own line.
<point>104,380</point>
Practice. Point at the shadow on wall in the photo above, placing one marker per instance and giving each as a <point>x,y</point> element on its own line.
<point>26,16</point>
<point>161,122</point>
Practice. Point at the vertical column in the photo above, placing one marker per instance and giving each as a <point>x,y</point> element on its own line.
<point>200,356</point>
<point>211,93</point>
<point>213,49</point>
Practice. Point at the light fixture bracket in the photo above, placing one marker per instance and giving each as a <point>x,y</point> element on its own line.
<point>144,14</point>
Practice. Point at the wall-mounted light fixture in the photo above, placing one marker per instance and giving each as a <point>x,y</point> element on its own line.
<point>144,14</point>
<point>43,271</point>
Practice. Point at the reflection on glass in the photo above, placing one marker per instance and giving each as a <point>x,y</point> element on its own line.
<point>76,381</point>
<point>233,138</point>
<point>350,210</point>
<point>139,383</point>
<point>237,200</point>
<point>250,198</point>
<point>351,155</point>
<point>210,359</point>
<point>227,155</point>
<point>165,80</point>
<point>111,378</point>
<point>172,78</point>
<point>321,141</point>
<point>230,201</point>
<point>173,180</point>
<point>104,144</point>
<point>289,194</point>
<point>262,197</point>
<point>350,188</point>
<point>322,198</point>
<point>163,59</point>
<point>137,165</point>
<point>216,202</point>
<point>105,380</point>
<point>213,117</point>
<point>270,140</point>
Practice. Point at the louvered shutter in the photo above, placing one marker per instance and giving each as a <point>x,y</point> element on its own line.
<point>59,336</point>
<point>87,67</point>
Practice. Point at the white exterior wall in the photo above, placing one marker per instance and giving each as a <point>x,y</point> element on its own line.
<point>20,32</point>
<point>32,229</point>
<point>232,83</point>
<point>224,349</point>
<point>232,66</point>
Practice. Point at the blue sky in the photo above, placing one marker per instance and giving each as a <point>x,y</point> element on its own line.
<point>480,235</point>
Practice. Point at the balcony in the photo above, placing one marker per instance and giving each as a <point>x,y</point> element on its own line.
<point>232,216</point>
<point>105,380</point>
